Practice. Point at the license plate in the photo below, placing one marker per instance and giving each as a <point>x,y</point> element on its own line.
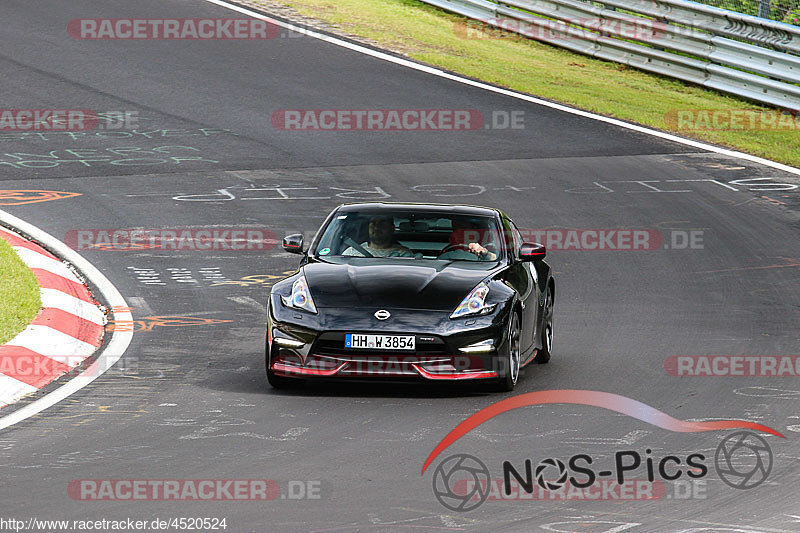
<point>379,342</point>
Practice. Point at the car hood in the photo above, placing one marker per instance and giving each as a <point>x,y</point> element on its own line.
<point>439,286</point>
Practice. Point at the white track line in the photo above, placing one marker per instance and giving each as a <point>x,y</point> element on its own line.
<point>437,72</point>
<point>120,340</point>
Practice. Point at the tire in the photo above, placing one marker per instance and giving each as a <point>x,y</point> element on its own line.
<point>280,382</point>
<point>511,357</point>
<point>543,356</point>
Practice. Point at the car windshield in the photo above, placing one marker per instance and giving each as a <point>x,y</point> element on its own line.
<point>409,235</point>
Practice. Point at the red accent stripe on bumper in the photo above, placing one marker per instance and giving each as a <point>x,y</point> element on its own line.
<point>289,369</point>
<point>455,375</point>
<point>302,371</point>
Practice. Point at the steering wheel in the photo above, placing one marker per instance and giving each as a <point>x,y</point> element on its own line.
<point>451,247</point>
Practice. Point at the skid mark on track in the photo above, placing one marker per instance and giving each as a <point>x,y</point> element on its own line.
<point>767,392</point>
<point>788,262</point>
<point>555,432</point>
<point>418,518</point>
<point>626,440</point>
<point>699,526</point>
<point>589,526</point>
<point>140,305</point>
<point>69,460</point>
<point>220,428</point>
<point>177,422</point>
<point>500,437</point>
<point>400,436</point>
<point>249,302</point>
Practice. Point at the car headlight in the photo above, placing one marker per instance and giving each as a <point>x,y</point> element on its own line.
<point>300,297</point>
<point>474,303</point>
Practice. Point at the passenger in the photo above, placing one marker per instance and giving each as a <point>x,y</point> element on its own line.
<point>381,240</point>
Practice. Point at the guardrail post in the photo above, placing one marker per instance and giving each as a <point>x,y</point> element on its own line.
<point>763,9</point>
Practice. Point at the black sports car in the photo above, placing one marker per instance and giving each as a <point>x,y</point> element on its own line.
<point>419,291</point>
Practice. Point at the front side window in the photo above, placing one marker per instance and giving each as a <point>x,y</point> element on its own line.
<point>513,239</point>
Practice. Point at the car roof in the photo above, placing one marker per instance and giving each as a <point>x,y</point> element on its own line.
<point>442,208</point>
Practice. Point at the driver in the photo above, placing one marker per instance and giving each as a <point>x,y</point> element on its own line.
<point>381,240</point>
<point>460,249</point>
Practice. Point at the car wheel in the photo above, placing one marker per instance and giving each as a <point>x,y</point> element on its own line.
<point>510,358</point>
<point>547,329</point>
<point>279,382</point>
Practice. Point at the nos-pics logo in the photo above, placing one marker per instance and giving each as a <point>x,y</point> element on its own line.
<point>459,471</point>
<point>462,482</point>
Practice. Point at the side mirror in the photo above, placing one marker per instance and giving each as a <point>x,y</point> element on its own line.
<point>293,243</point>
<point>532,251</point>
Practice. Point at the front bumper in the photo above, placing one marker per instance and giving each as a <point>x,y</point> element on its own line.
<point>309,346</point>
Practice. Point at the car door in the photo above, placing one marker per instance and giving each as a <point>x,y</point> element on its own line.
<point>524,280</point>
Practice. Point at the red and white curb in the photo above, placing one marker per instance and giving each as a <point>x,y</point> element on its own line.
<point>67,330</point>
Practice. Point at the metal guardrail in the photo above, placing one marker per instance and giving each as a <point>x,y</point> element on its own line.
<point>734,53</point>
<point>717,21</point>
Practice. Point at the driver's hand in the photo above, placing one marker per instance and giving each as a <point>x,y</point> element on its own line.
<point>477,249</point>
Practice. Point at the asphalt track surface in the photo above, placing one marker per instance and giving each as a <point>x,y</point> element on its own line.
<point>191,402</point>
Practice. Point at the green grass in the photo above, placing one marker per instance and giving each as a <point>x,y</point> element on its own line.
<point>428,34</point>
<point>19,294</point>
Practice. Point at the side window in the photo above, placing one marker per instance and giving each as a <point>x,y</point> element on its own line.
<point>511,238</point>
<point>517,236</point>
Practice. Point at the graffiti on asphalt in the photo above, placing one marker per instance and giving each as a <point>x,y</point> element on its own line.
<point>52,136</point>
<point>204,276</point>
<point>120,156</point>
<point>28,196</point>
<point>148,323</point>
<point>451,190</point>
